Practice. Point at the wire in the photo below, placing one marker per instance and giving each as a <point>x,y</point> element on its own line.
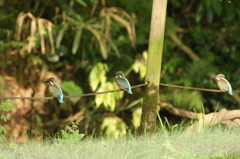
<point>136,86</point>
<point>77,95</point>
<point>194,88</point>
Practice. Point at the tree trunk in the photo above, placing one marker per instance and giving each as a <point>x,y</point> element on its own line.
<point>149,111</point>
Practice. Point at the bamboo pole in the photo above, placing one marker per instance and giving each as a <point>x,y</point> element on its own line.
<point>155,48</point>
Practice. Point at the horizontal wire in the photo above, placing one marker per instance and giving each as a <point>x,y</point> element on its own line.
<point>194,88</point>
<point>77,95</point>
<point>136,86</point>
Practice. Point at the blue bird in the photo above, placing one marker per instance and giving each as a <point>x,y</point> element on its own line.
<point>55,90</point>
<point>122,82</point>
<point>223,84</point>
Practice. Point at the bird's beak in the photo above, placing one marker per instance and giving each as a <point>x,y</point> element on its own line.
<point>213,77</point>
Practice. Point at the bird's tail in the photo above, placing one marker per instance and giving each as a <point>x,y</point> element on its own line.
<point>129,91</point>
<point>60,99</point>
<point>230,92</point>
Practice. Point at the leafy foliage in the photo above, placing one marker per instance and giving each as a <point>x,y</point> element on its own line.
<point>136,121</point>
<point>97,75</point>
<point>114,127</point>
<point>108,99</point>
<point>71,133</point>
<point>98,82</point>
<point>71,88</point>
<point>189,100</point>
<point>5,107</point>
<point>139,66</point>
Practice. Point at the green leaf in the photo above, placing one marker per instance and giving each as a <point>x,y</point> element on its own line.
<point>114,127</point>
<point>3,117</point>
<point>209,15</point>
<point>72,89</point>
<point>199,14</point>
<point>139,65</point>
<point>108,99</point>
<point>230,13</point>
<point>99,98</point>
<point>2,132</point>
<point>71,133</point>
<point>134,103</point>
<point>53,58</point>
<point>98,75</point>
<point>81,2</point>
<point>7,105</point>
<point>208,3</point>
<point>36,60</point>
<point>93,78</point>
<point>76,41</point>
<point>60,35</point>
<point>136,117</point>
<point>217,6</point>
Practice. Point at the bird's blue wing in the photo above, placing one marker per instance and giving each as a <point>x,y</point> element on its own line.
<point>123,82</point>
<point>230,91</point>
<point>61,99</point>
<point>56,92</point>
<point>129,91</point>
<point>225,85</point>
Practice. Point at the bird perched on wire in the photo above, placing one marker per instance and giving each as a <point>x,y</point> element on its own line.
<point>223,84</point>
<point>55,90</point>
<point>122,82</point>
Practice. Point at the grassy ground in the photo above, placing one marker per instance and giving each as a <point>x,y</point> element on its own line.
<point>215,143</point>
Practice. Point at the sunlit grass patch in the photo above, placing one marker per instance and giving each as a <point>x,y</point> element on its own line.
<point>213,143</point>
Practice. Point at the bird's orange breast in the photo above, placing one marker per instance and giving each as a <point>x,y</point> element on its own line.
<point>121,87</point>
<point>53,94</point>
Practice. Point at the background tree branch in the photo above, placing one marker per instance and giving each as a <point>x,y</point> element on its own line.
<point>223,116</point>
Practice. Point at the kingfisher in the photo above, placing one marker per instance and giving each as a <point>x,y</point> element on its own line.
<point>223,84</point>
<point>55,90</point>
<point>122,82</point>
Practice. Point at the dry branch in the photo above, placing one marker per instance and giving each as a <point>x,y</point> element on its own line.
<point>37,24</point>
<point>178,112</point>
<point>78,116</point>
<point>223,116</point>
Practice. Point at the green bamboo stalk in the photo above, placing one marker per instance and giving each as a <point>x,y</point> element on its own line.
<point>155,48</point>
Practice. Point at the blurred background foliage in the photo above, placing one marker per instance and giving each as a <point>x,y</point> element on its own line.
<point>85,42</point>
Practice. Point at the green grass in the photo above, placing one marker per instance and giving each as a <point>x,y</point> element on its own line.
<point>215,143</point>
